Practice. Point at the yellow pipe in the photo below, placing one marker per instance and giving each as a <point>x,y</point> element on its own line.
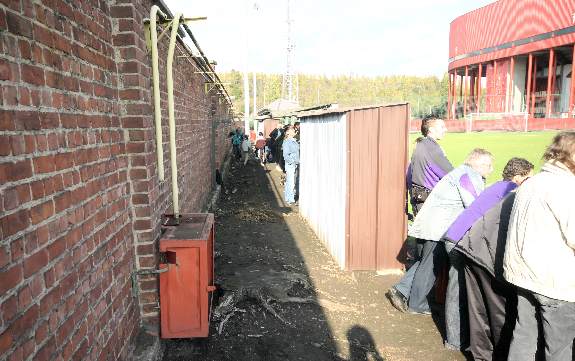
<point>171,120</point>
<point>156,86</point>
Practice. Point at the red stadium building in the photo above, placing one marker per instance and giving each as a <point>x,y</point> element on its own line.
<point>511,62</point>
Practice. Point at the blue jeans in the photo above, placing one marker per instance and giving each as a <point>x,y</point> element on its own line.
<point>289,191</point>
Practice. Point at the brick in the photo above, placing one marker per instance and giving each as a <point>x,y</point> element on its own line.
<point>10,95</point>
<point>18,25</point>
<point>64,160</point>
<point>122,11</point>
<point>32,74</point>
<point>57,248</point>
<point>5,70</point>
<point>43,35</point>
<point>37,189</point>
<point>10,198</point>
<point>7,120</point>
<point>49,120</point>
<point>44,164</point>
<point>4,256</point>
<point>5,146</point>
<point>27,120</point>
<point>14,171</point>
<point>9,309</point>
<point>62,201</point>
<point>42,212</point>
<point>17,144</point>
<point>10,278</point>
<point>35,262</point>
<point>23,193</point>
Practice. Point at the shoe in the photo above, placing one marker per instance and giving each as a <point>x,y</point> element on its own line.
<point>397,299</point>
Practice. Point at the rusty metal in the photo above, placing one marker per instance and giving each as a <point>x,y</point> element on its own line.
<point>186,284</point>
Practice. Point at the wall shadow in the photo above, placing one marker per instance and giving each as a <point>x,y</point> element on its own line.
<point>273,311</point>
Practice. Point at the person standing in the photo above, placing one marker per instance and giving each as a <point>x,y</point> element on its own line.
<point>260,147</point>
<point>450,196</point>
<point>479,235</point>
<point>246,149</point>
<point>237,139</point>
<point>428,163</point>
<point>291,157</point>
<point>540,255</point>
<point>427,167</point>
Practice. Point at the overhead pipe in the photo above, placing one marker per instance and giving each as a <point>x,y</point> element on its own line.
<point>156,89</point>
<point>171,118</point>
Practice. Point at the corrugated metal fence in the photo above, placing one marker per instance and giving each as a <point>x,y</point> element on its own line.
<point>352,183</point>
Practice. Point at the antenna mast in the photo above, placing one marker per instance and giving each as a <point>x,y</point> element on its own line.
<point>288,78</point>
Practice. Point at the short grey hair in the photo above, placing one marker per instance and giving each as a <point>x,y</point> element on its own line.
<point>475,155</point>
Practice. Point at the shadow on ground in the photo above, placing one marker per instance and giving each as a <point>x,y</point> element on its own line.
<point>282,297</point>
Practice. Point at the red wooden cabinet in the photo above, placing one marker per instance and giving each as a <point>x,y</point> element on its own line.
<point>186,287</point>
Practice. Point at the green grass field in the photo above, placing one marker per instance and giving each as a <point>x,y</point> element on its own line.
<point>503,145</point>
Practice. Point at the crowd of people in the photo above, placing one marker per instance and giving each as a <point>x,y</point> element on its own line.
<point>500,259</point>
<point>280,147</point>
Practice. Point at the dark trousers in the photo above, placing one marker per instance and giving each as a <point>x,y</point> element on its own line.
<point>558,323</point>
<point>426,269</point>
<point>456,317</point>
<point>492,306</point>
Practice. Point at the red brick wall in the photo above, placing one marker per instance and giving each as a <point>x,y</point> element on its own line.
<point>80,200</point>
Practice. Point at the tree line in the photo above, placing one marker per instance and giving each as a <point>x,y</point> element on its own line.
<point>426,95</point>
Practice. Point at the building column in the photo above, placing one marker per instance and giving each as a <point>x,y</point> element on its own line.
<point>511,85</point>
<point>479,76</point>
<point>449,95</point>
<point>465,94</point>
<point>529,80</point>
<point>572,92</point>
<point>533,87</point>
<point>550,76</point>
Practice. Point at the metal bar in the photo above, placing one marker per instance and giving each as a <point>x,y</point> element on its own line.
<point>549,84</point>
<point>495,93</point>
<point>553,85</point>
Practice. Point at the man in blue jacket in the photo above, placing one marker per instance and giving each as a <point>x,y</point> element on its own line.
<point>291,157</point>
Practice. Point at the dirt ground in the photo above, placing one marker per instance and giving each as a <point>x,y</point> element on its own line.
<point>282,297</point>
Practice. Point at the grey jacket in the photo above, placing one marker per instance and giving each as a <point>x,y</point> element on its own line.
<point>452,194</point>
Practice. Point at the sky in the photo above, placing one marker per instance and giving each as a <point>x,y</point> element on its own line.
<point>331,37</point>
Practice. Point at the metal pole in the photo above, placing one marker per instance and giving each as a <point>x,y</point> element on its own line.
<point>549,82</point>
<point>246,76</point>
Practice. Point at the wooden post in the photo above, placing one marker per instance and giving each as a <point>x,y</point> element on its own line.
<point>549,82</point>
